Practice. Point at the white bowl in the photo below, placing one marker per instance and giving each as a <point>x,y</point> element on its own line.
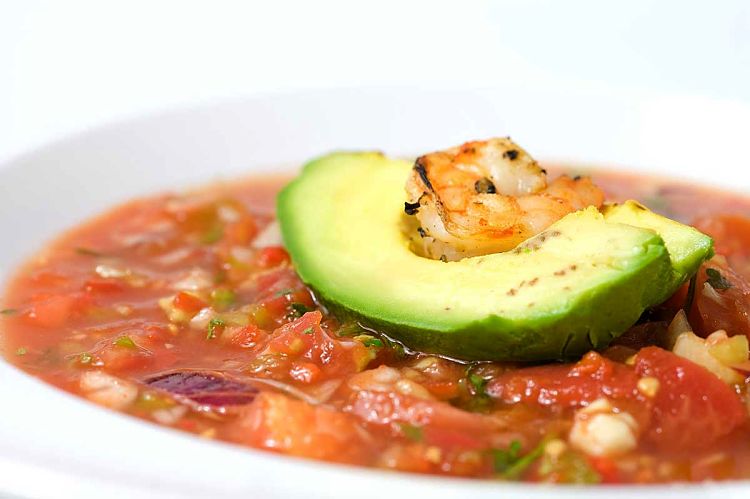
<point>53,444</point>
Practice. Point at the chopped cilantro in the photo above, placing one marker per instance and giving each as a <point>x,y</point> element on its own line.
<point>308,330</point>
<point>89,252</point>
<point>125,342</point>
<point>8,311</point>
<point>212,325</point>
<point>411,432</point>
<point>502,459</point>
<point>716,280</point>
<point>85,358</point>
<point>510,463</point>
<point>478,383</point>
<point>299,309</point>
<point>373,342</point>
<point>21,351</point>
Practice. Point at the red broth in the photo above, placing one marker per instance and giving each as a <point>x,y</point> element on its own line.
<point>165,308</point>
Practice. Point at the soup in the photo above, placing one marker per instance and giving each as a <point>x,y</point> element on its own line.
<point>185,310</point>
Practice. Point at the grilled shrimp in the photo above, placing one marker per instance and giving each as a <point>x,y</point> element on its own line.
<point>486,197</point>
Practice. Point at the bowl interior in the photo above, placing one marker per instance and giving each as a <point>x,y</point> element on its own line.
<point>81,447</point>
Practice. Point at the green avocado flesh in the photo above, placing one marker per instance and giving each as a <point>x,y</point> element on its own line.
<point>575,286</point>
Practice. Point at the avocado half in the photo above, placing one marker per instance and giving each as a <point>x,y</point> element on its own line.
<point>573,287</point>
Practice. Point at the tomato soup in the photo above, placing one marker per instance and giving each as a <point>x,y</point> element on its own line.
<point>184,310</point>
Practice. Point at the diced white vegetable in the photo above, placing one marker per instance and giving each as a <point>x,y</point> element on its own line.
<point>600,431</point>
<point>693,348</point>
<point>649,386</point>
<point>228,214</point>
<point>678,326</point>
<point>729,350</point>
<point>169,416</point>
<point>174,314</point>
<point>196,280</point>
<point>201,319</point>
<point>270,236</point>
<point>108,390</point>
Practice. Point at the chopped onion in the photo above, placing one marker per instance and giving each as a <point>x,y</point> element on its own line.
<point>110,272</point>
<point>270,236</point>
<point>710,293</point>
<point>196,280</point>
<point>695,349</point>
<point>201,319</point>
<point>678,326</point>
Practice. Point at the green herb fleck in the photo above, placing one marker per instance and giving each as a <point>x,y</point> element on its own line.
<point>222,297</point>
<point>125,342</point>
<point>570,467</point>
<point>716,280</point>
<point>212,325</point>
<point>478,383</point>
<point>299,309</point>
<point>411,432</point>
<point>89,252</point>
<point>213,234</point>
<point>510,463</point>
<point>85,358</point>
<point>21,351</point>
<point>308,330</point>
<point>503,459</point>
<point>283,292</point>
<point>373,342</point>
<point>8,311</point>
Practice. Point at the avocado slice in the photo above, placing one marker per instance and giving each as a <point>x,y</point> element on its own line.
<point>573,287</point>
<point>687,246</point>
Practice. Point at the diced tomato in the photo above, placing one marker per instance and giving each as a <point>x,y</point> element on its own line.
<point>444,390</point>
<point>692,407</point>
<point>305,372</point>
<point>118,358</point>
<point>731,234</point>
<point>719,308</point>
<point>570,386</point>
<point>188,303</point>
<point>49,279</point>
<point>440,423</point>
<point>276,422</point>
<point>53,311</point>
<point>101,286</point>
<point>245,337</point>
<point>272,256</point>
<point>240,233</point>
<point>606,468</point>
<point>303,338</point>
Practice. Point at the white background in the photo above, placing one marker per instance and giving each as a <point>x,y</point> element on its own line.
<point>69,65</point>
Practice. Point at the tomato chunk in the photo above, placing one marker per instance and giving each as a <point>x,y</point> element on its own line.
<point>722,300</point>
<point>692,407</point>
<point>570,386</point>
<point>731,234</point>
<point>276,422</point>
